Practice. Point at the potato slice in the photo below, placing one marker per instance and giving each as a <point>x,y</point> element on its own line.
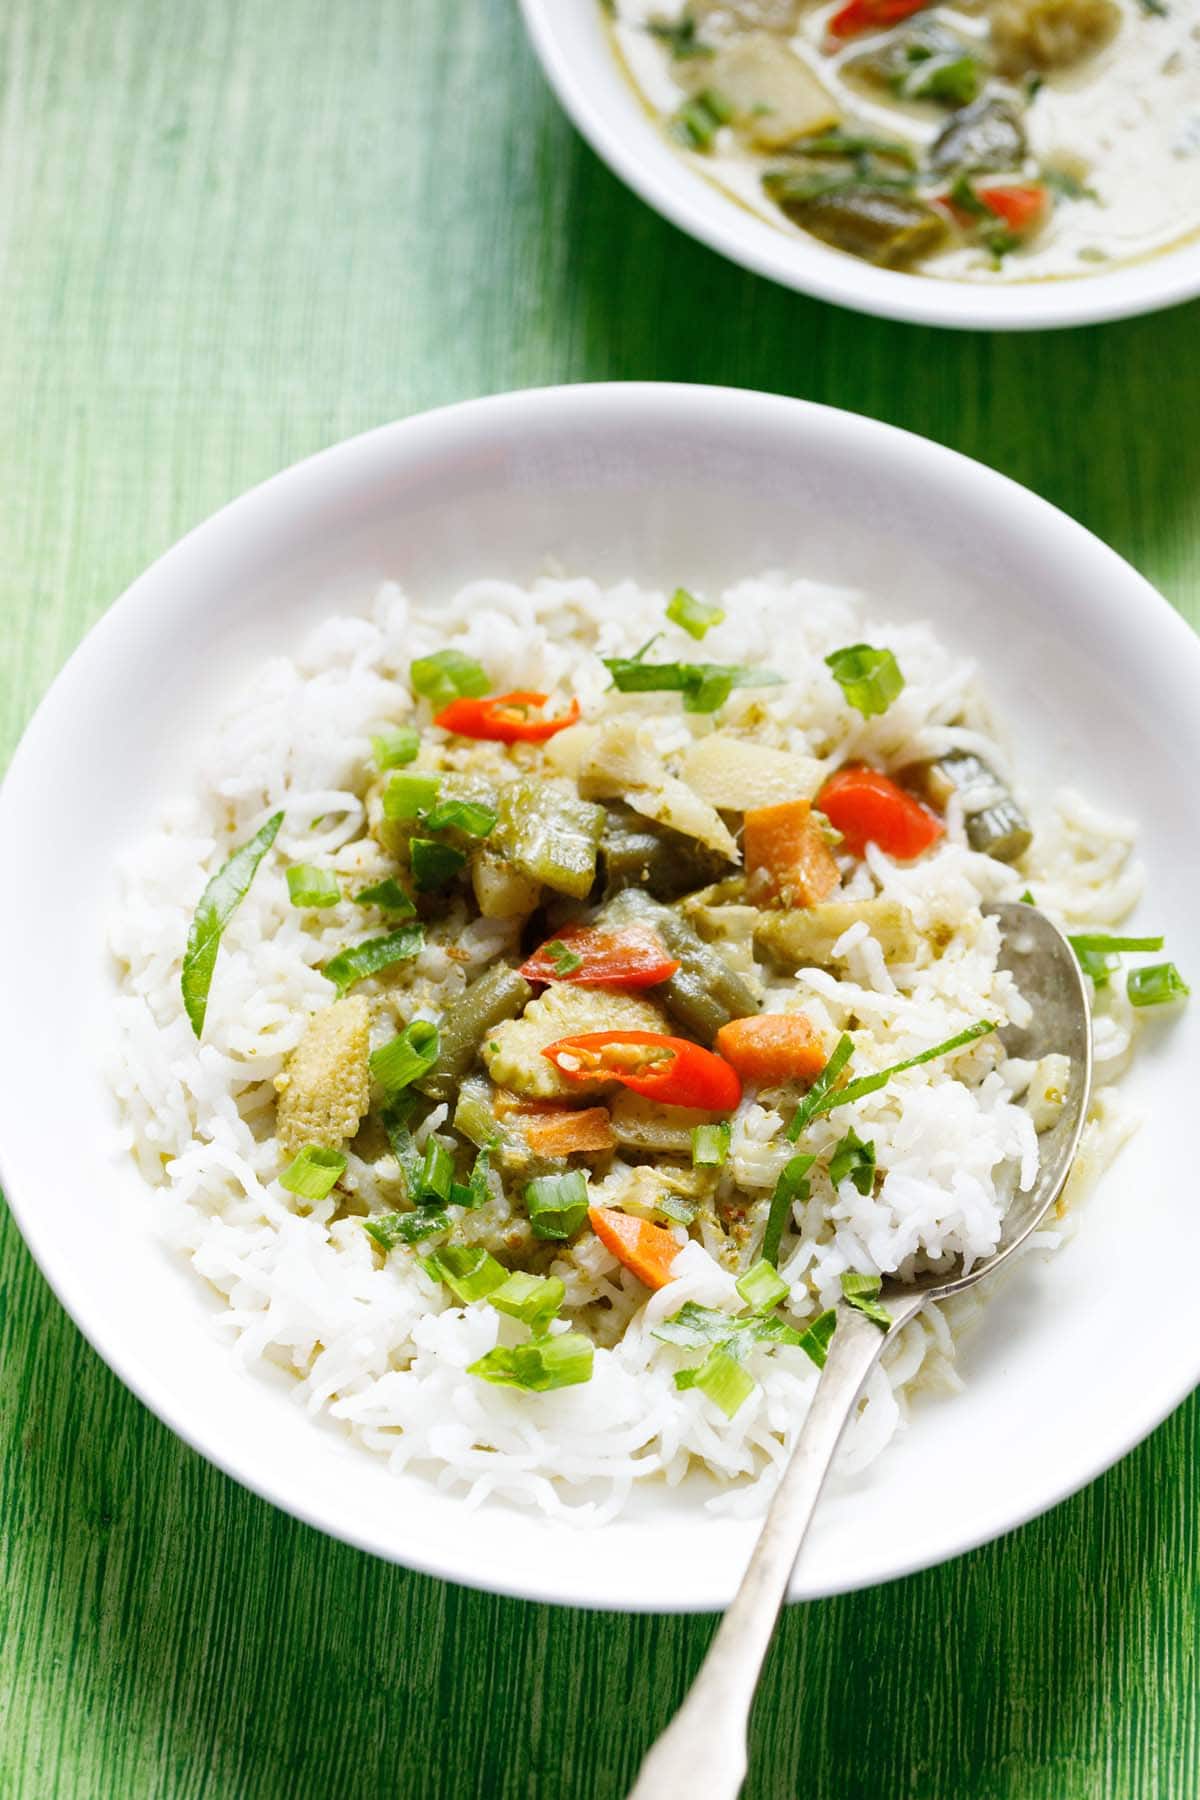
<point>735,773</point>
<point>775,96</point>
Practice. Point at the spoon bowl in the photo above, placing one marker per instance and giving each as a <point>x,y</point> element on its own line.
<point>703,1750</point>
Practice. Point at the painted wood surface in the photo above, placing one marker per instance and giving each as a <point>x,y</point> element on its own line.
<point>233,232</point>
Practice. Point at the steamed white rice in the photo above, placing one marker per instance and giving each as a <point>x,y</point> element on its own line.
<point>374,1341</point>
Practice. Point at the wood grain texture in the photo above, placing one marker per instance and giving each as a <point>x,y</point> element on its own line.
<point>233,232</point>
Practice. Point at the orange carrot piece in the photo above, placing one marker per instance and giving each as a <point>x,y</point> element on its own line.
<point>772,1047</point>
<point>647,1250</point>
<point>786,851</point>
<point>558,1133</point>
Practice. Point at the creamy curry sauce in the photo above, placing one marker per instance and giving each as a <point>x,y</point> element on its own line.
<point>1095,162</point>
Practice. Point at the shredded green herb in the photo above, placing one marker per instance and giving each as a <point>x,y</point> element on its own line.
<point>699,119</point>
<point>216,906</point>
<point>377,954</point>
<point>814,1101</point>
<point>704,686</point>
<point>854,1160</point>
<point>860,1292</point>
<point>870,1084</point>
<point>793,1184</point>
<point>563,960</point>
<point>539,1366</point>
<point>389,896</point>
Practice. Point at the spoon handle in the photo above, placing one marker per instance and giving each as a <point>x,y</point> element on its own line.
<point>702,1753</point>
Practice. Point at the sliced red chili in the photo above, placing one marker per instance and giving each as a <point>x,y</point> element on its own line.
<point>871,15</point>
<point>505,718</point>
<point>668,1069</point>
<point>579,953</point>
<point>868,808</point>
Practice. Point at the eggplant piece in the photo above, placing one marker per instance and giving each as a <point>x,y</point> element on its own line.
<point>985,135</point>
<point>1033,36</point>
<point>806,937</point>
<point>888,226</point>
<point>704,993</point>
<point>636,853</point>
<point>995,824</point>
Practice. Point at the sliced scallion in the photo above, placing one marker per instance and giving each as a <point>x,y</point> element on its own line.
<point>556,1204</point>
<point>869,678</point>
<point>539,1366</point>
<point>314,1172</point>
<point>870,1084</point>
<point>698,120</point>
<point>393,748</point>
<point>861,1292</point>
<point>469,816</point>
<point>1156,984</point>
<point>370,958</point>
<point>409,794</point>
<point>695,616</point>
<point>721,1378</point>
<point>435,1177</point>
<point>477,1185</point>
<point>792,1185</point>
<point>815,1338</point>
<point>448,675</point>
<point>710,1145</point>
<point>855,1161</point>
<point>762,1287</point>
<point>562,958</point>
<point>310,886</point>
<point>468,1270</point>
<point>434,864</point>
<point>390,1229</point>
<point>216,906</point>
<point>704,686</point>
<point>534,1299</point>
<point>389,896</point>
<point>397,1064</point>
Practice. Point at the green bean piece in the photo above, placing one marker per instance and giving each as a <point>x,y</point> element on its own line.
<point>499,994</point>
<point>704,993</point>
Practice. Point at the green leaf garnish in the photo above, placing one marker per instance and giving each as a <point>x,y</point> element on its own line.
<point>869,678</point>
<point>371,958</point>
<point>563,960</point>
<point>704,686</point>
<point>854,1159</point>
<point>216,906</point>
<point>793,1184</point>
<point>389,896</point>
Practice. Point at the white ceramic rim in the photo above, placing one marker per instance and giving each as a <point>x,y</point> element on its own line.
<point>265,509</point>
<point>621,136</point>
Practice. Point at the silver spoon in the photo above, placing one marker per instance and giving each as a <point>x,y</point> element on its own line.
<point>702,1753</point>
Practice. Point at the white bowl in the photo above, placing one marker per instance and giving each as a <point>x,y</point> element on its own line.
<point>572,44</point>
<point>1076,1358</point>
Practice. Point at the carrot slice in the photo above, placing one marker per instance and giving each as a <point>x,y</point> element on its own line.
<point>555,1132</point>
<point>786,849</point>
<point>647,1250</point>
<point>772,1047</point>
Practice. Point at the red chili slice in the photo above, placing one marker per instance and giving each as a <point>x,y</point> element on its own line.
<point>505,718</point>
<point>591,958</point>
<point>872,15</point>
<point>867,808</point>
<point>668,1069</point>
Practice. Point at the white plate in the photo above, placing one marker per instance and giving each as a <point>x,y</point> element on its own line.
<point>574,49</point>
<point>1079,1356</point>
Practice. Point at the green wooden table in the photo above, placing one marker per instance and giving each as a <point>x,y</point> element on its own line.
<point>233,232</point>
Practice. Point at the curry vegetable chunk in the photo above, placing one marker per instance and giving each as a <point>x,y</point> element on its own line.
<point>324,1090</point>
<point>513,1051</point>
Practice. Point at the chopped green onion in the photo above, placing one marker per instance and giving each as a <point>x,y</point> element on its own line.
<point>310,886</point>
<point>792,1185</point>
<point>470,816</point>
<point>815,1339</point>
<point>448,675</point>
<point>540,1365</point>
<point>723,1380</point>
<point>216,906</point>
<point>534,1299</point>
<point>869,678</point>
<point>314,1172</point>
<point>392,749</point>
<point>433,865</point>
<point>435,1177</point>
<point>817,1095</point>
<point>556,1204</point>
<point>870,1084</point>
<point>699,119</point>
<point>1108,945</point>
<point>1096,965</point>
<point>679,36</point>
<point>762,1287</point>
<point>394,1119</point>
<point>1157,984</point>
<point>468,1270</point>
<point>563,960</point>
<point>860,1292</point>
<point>409,794</point>
<point>675,1208</point>
<point>363,960</point>
<point>693,615</point>
<point>854,1160</point>
<point>398,1064</point>
<point>710,1145</point>
<point>393,1228</point>
<point>695,1327</point>
<point>704,686</point>
<point>956,78</point>
<point>388,895</point>
<point>1027,898</point>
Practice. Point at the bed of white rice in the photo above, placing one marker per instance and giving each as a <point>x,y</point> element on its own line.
<point>375,1342</point>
